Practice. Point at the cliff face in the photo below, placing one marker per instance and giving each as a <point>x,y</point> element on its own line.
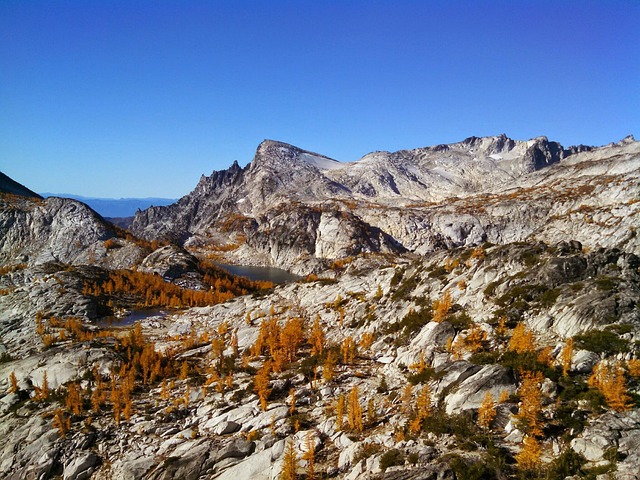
<point>295,209</point>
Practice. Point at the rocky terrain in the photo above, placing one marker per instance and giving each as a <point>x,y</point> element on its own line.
<point>470,311</point>
<point>300,210</point>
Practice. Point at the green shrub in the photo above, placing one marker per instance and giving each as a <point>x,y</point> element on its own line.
<point>567,464</point>
<point>485,358</point>
<point>397,277</point>
<point>383,387</point>
<point>601,341</point>
<point>491,288</point>
<point>521,295</point>
<point>365,451</point>
<point>424,376</point>
<point>391,458</point>
<point>548,298</point>
<point>460,321</point>
<point>406,288</point>
<point>438,272</point>
<point>620,328</point>
<point>605,283</point>
<point>528,361</point>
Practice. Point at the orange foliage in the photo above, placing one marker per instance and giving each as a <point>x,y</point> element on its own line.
<point>530,403</point>
<point>522,340</point>
<point>529,456</point>
<point>441,307</point>
<point>354,411</point>
<point>486,411</point>
<point>317,338</point>
<point>609,379</point>
<point>261,384</point>
<point>152,291</point>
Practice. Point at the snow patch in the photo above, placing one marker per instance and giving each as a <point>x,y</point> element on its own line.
<point>321,163</point>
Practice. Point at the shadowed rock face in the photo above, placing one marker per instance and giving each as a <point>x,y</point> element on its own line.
<point>10,186</point>
<point>292,208</point>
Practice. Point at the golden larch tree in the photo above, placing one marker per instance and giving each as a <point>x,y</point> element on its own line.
<point>74,399</point>
<point>529,456</point>
<point>522,340</point>
<point>476,338</point>
<point>633,366</point>
<point>292,337</point>
<point>289,462</point>
<point>566,355</point>
<point>406,399</point>
<point>292,401</point>
<point>329,366</point>
<point>486,411</point>
<point>354,411</point>
<point>61,422</point>
<point>530,403</point>
<point>309,456</point>
<point>424,404</point>
<point>317,337</point>
<point>340,408</point>
<point>609,379</point>
<point>348,350</point>
<point>261,384</point>
<point>441,307</point>
<point>13,388</point>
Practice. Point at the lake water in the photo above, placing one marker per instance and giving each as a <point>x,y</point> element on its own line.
<point>133,317</point>
<point>269,274</point>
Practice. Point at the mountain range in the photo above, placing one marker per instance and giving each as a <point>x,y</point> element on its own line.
<point>295,209</point>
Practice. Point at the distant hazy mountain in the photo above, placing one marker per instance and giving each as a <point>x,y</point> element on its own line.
<point>116,207</point>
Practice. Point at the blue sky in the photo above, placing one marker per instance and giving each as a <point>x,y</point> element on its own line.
<point>139,98</point>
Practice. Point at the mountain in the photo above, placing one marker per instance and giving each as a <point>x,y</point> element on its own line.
<point>10,186</point>
<point>115,207</point>
<point>297,209</point>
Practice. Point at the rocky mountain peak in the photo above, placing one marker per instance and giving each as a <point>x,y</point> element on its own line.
<point>275,155</point>
<point>490,145</point>
<point>627,140</point>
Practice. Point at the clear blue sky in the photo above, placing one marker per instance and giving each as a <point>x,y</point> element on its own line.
<point>139,98</point>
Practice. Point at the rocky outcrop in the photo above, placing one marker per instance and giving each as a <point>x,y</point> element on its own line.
<point>59,230</point>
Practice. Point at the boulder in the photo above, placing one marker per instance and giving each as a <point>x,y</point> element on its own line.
<point>80,466</point>
<point>470,392</point>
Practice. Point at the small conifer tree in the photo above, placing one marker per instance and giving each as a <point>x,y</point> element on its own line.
<point>566,355</point>
<point>289,462</point>
<point>261,384</point>
<point>354,411</point>
<point>14,383</point>
<point>529,456</point>
<point>486,411</point>
<point>530,403</point>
